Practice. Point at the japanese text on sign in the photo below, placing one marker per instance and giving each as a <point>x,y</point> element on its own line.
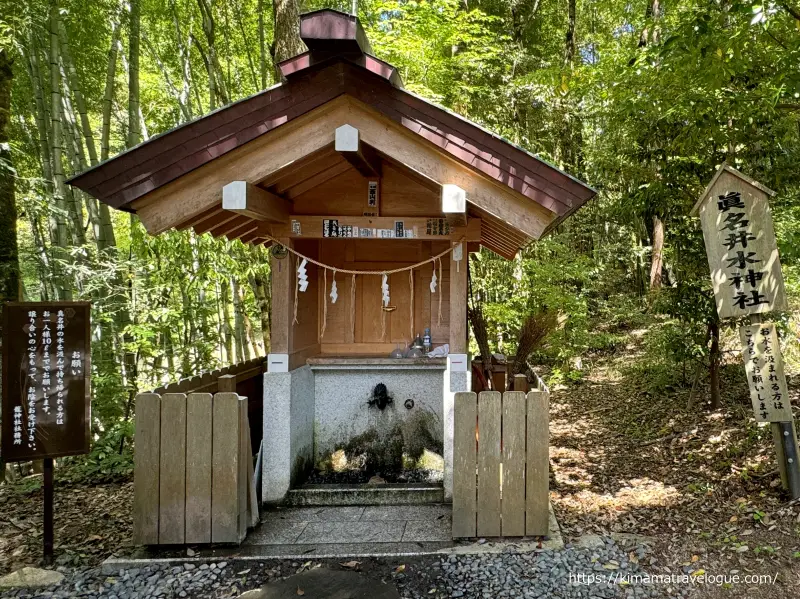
<point>45,380</point>
<point>764,368</point>
<point>741,248</point>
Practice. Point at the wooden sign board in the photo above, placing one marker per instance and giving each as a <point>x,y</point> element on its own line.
<point>764,367</point>
<point>46,372</point>
<point>740,245</point>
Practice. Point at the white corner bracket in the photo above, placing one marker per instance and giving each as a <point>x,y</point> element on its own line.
<point>278,363</point>
<point>457,363</point>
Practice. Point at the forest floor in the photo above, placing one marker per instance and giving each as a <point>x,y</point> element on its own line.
<point>702,486</point>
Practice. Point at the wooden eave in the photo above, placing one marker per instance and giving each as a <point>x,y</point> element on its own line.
<point>333,68</point>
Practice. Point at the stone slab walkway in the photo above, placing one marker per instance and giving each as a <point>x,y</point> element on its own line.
<point>313,526</point>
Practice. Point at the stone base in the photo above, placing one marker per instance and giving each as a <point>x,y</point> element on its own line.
<point>385,494</point>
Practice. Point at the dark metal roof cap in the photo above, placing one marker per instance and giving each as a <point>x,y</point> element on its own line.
<point>329,30</point>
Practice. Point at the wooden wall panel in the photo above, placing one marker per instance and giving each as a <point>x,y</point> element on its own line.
<point>513,502</point>
<point>225,462</point>
<point>537,477</point>
<point>346,194</point>
<point>146,464</point>
<point>172,486</point>
<point>305,332</point>
<point>464,466</point>
<point>489,457</point>
<point>376,255</point>
<point>198,468</point>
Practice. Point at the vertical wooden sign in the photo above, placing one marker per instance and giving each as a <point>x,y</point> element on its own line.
<point>747,280</point>
<point>764,366</point>
<point>740,245</point>
<point>46,368</point>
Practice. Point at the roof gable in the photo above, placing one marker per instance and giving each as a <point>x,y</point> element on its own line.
<point>337,64</point>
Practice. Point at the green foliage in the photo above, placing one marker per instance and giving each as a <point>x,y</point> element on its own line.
<point>104,463</point>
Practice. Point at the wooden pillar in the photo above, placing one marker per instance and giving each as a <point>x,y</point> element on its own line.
<point>283,281</point>
<point>458,299</point>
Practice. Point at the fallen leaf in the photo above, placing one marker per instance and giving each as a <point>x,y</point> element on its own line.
<point>400,569</point>
<point>191,552</point>
<point>300,591</point>
<point>351,565</point>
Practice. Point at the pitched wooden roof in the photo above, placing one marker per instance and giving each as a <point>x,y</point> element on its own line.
<point>337,63</point>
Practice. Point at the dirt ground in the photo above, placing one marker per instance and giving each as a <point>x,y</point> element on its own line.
<point>704,485</point>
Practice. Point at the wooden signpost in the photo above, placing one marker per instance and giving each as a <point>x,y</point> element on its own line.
<point>46,403</point>
<point>747,280</point>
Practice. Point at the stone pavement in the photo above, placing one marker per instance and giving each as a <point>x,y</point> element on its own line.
<point>352,530</point>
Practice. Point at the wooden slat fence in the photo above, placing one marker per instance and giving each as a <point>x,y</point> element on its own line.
<point>208,381</point>
<point>501,463</point>
<point>193,475</point>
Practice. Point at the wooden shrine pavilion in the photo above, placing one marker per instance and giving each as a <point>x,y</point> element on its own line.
<point>367,192</point>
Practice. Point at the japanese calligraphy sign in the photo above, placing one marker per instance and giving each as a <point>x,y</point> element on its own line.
<point>764,367</point>
<point>740,245</point>
<point>46,368</point>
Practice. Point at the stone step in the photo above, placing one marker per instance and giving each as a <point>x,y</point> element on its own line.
<point>382,494</point>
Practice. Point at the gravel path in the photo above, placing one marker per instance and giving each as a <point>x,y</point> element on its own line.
<point>572,573</point>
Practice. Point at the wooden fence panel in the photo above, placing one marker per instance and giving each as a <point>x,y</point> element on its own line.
<point>501,488</point>
<point>198,467</point>
<point>538,463</point>
<point>146,469</point>
<point>225,469</point>
<point>172,495</point>
<point>513,502</point>
<point>464,464</point>
<point>489,413</point>
<point>245,464</point>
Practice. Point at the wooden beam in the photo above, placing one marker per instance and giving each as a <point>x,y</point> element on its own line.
<point>393,140</point>
<point>248,227</point>
<point>365,160</point>
<point>283,282</point>
<point>318,179</point>
<point>377,227</point>
<point>199,190</point>
<point>454,204</point>
<point>217,219</point>
<point>458,299</point>
<point>247,199</point>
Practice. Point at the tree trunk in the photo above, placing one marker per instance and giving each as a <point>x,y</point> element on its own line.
<point>262,47</point>
<point>77,92</point>
<point>76,158</point>
<point>216,82</point>
<point>9,258</point>
<point>238,14</point>
<point>183,53</point>
<point>286,29</point>
<point>716,401</point>
<point>227,329</point>
<point>650,33</point>
<point>571,44</point>
<point>56,151</point>
<point>238,322</point>
<point>134,128</point>
<point>657,261</point>
<point>572,140</point>
<point>260,291</point>
<point>108,94</point>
